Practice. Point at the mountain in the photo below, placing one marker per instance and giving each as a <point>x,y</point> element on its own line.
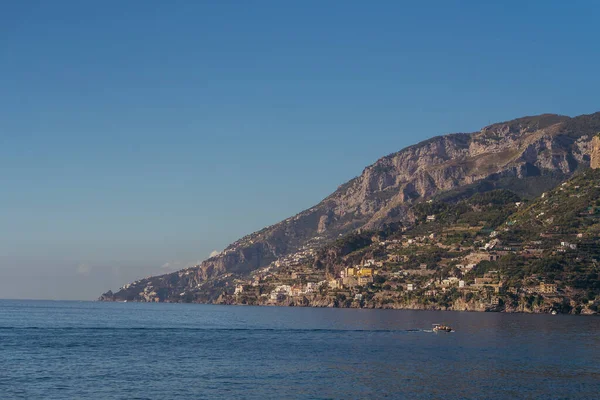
<point>595,152</point>
<point>527,155</point>
<point>492,251</point>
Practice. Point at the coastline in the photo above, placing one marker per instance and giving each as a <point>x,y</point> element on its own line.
<point>388,306</point>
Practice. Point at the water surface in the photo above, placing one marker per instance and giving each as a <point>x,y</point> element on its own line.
<point>88,350</point>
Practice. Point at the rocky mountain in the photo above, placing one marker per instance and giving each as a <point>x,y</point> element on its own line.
<point>595,152</point>
<point>527,155</point>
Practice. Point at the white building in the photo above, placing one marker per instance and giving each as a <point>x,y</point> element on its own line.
<point>311,287</point>
<point>281,291</point>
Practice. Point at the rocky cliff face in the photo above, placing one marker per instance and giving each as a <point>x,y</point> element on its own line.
<point>595,152</point>
<point>544,145</point>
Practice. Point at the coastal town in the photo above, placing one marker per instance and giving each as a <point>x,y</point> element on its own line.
<point>393,279</point>
<point>429,267</point>
<point>491,251</point>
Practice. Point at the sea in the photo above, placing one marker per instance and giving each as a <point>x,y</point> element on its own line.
<point>93,350</point>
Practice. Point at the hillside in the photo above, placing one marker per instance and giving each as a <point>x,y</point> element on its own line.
<point>527,155</point>
<point>492,251</point>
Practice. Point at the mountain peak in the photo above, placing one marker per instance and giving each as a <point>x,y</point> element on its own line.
<point>527,124</point>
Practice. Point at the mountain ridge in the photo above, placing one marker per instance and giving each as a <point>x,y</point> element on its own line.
<point>541,146</point>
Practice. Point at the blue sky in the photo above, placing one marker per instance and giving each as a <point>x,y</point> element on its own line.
<point>139,136</point>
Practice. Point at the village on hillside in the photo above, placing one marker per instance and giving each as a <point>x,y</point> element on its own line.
<point>492,251</point>
<point>464,265</point>
<point>394,279</point>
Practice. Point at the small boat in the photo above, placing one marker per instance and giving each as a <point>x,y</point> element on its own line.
<point>441,328</point>
<point>554,312</point>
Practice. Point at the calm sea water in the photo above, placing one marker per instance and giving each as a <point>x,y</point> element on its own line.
<point>87,350</point>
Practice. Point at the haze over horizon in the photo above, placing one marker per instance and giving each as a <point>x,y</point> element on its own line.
<point>137,138</point>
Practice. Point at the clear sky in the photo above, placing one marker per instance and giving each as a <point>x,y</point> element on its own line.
<point>138,136</point>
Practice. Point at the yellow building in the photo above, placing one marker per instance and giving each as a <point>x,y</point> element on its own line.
<point>547,288</point>
<point>358,272</point>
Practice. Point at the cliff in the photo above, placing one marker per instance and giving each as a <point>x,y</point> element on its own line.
<point>595,152</point>
<point>528,155</point>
